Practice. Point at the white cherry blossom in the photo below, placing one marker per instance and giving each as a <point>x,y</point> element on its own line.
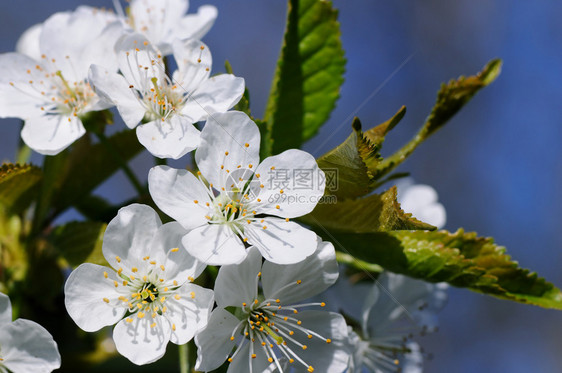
<point>148,293</point>
<point>236,201</point>
<point>164,21</point>
<point>25,346</point>
<point>395,309</point>
<point>169,105</point>
<point>260,331</point>
<point>46,84</point>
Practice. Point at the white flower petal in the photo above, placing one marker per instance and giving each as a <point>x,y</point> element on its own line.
<point>194,62</point>
<point>28,43</point>
<point>237,283</point>
<point>175,192</point>
<point>156,18</point>
<point>195,26</point>
<point>51,134</point>
<point>215,244</point>
<point>324,357</point>
<point>5,309</point>
<point>422,300</point>
<point>178,264</point>
<point>412,362</point>
<point>343,295</point>
<point>28,347</point>
<point>85,291</point>
<point>189,314</point>
<point>101,51</point>
<point>281,242</point>
<point>213,343</point>
<point>128,236</point>
<point>22,99</point>
<point>243,363</point>
<point>85,25</point>
<point>138,61</point>
<point>317,272</point>
<point>173,138</point>
<point>140,341</point>
<point>114,88</point>
<point>293,181</point>
<point>215,95</point>
<point>223,143</point>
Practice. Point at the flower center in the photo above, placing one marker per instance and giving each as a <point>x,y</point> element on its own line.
<point>58,95</point>
<point>386,349</point>
<point>162,99</point>
<point>72,98</point>
<point>145,295</point>
<point>275,328</point>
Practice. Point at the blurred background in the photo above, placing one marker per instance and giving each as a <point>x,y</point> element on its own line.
<point>497,166</point>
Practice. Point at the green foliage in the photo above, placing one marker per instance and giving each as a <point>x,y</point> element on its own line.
<point>308,76</point>
<point>450,99</point>
<point>455,94</point>
<point>352,174</point>
<point>461,259</point>
<point>79,242</point>
<point>18,186</point>
<point>375,213</point>
<point>358,161</point>
<point>89,165</point>
<point>357,158</point>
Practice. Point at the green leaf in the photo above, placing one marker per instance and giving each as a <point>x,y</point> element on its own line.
<point>346,164</point>
<point>91,164</point>
<point>450,99</point>
<point>309,74</point>
<point>354,161</point>
<point>455,94</point>
<point>79,242</point>
<point>461,259</point>
<point>377,134</point>
<point>375,213</point>
<point>18,186</point>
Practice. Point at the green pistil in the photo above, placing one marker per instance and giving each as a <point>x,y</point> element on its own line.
<point>272,334</point>
<point>154,81</point>
<point>67,86</point>
<point>147,294</point>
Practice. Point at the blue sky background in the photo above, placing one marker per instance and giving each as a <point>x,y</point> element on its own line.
<point>497,165</point>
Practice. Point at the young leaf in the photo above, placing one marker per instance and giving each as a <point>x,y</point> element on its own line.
<point>450,99</point>
<point>375,213</point>
<point>309,74</point>
<point>354,161</point>
<point>461,259</point>
<point>18,186</point>
<point>79,242</point>
<point>353,179</point>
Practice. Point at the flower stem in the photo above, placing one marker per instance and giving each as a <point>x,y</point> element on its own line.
<point>184,363</point>
<point>357,263</point>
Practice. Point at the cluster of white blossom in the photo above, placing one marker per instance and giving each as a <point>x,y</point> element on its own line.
<point>228,214</point>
